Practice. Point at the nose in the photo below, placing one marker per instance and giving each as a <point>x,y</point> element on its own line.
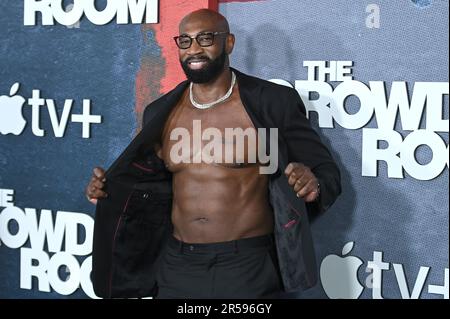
<point>194,49</point>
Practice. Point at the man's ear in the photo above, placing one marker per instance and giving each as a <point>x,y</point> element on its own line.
<point>229,44</point>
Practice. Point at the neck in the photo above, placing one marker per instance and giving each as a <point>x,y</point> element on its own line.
<point>207,92</point>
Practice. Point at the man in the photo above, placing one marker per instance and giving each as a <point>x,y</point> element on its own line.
<point>174,226</point>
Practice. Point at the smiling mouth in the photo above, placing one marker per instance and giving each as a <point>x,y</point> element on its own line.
<point>197,64</point>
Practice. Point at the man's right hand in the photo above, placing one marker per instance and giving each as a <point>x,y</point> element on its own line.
<point>94,188</point>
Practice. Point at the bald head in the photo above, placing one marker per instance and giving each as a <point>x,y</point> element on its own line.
<point>206,17</point>
<point>205,58</point>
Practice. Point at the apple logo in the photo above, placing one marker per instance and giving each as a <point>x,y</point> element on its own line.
<point>11,119</point>
<point>339,275</point>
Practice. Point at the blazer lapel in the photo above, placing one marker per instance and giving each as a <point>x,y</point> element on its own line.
<point>151,131</point>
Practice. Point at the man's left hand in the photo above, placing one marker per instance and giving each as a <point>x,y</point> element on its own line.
<point>303,181</point>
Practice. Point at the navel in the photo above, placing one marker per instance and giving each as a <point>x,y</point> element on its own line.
<point>202,220</point>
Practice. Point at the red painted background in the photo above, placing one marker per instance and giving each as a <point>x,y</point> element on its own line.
<point>159,74</point>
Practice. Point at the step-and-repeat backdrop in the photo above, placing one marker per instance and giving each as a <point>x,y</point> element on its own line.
<point>76,75</point>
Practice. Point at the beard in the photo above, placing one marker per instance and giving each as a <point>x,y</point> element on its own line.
<point>211,71</point>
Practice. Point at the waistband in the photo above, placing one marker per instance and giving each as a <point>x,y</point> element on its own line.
<point>222,247</point>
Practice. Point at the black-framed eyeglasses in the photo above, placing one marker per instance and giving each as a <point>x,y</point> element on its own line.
<point>204,39</point>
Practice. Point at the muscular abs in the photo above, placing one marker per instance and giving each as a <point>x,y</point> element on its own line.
<point>218,195</point>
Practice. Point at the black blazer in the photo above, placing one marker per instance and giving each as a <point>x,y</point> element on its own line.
<point>133,222</point>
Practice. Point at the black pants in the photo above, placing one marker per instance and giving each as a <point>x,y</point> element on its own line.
<point>245,268</point>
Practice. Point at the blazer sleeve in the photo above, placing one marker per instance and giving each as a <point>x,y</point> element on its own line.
<point>305,146</point>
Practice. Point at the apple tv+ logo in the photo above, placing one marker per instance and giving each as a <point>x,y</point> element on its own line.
<point>13,122</point>
<point>11,119</point>
<point>339,277</point>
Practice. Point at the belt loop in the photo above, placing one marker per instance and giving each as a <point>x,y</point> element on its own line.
<point>272,239</point>
<point>236,250</point>
<point>180,246</point>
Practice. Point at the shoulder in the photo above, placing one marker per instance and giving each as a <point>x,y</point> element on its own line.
<point>274,103</point>
<point>267,88</point>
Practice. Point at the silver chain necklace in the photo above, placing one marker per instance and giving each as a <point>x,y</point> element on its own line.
<point>208,105</point>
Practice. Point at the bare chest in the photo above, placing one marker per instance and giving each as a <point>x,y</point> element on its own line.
<point>223,135</point>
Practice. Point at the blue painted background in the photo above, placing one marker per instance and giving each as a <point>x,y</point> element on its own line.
<point>91,62</point>
<point>407,219</point>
